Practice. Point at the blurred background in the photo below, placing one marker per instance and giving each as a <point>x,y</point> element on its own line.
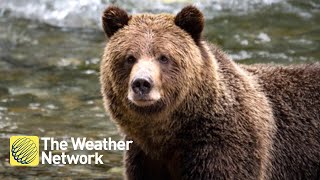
<point>50,52</point>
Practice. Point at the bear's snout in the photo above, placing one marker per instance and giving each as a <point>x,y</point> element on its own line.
<point>142,85</point>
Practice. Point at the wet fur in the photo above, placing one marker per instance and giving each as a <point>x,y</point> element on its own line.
<point>218,119</point>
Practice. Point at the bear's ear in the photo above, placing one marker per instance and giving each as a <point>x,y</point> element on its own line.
<point>113,19</point>
<point>191,20</point>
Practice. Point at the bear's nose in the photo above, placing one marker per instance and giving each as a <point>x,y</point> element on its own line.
<point>141,86</point>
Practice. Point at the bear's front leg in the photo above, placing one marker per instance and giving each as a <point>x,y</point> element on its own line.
<point>139,166</point>
<point>204,161</point>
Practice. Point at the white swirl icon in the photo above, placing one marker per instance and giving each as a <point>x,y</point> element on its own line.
<point>24,150</point>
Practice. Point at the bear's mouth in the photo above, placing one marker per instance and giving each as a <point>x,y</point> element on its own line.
<point>142,100</point>
<point>149,106</point>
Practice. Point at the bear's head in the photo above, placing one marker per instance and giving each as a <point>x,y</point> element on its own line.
<point>151,61</point>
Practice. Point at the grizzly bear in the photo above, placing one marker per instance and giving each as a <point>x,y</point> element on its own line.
<point>193,113</point>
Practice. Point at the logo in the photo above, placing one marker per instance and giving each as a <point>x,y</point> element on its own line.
<point>24,150</point>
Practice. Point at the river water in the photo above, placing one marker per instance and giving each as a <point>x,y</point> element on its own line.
<point>50,53</point>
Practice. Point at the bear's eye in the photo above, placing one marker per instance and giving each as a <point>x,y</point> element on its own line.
<point>130,59</point>
<point>163,59</point>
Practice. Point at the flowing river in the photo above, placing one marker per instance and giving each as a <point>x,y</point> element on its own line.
<point>49,65</point>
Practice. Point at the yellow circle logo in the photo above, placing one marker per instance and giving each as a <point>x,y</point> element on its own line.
<point>24,150</point>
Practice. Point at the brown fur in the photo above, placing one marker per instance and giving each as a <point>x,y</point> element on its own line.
<point>114,19</point>
<point>216,119</point>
